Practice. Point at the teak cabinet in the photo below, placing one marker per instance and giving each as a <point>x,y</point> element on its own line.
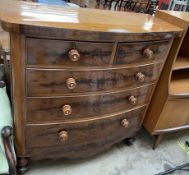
<point>82,79</point>
<point>169,107</point>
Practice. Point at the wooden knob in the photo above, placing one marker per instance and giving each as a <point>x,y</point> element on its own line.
<point>63,135</point>
<point>125,123</point>
<point>133,100</point>
<point>74,55</point>
<point>148,53</point>
<point>71,83</point>
<point>140,77</point>
<point>67,109</point>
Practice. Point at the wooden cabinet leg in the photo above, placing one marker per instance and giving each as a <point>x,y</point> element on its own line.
<point>22,165</point>
<point>157,140</point>
<point>129,141</point>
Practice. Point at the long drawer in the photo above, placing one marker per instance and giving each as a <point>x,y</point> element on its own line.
<point>71,134</point>
<point>141,52</point>
<point>41,110</point>
<point>68,53</point>
<point>49,82</point>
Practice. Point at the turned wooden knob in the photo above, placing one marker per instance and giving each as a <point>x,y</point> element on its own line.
<point>63,135</point>
<point>133,100</point>
<point>71,83</point>
<point>125,123</point>
<point>67,109</point>
<point>140,77</point>
<point>148,53</point>
<point>74,55</point>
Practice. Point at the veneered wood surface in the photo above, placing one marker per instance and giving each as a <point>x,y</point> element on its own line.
<point>182,62</point>
<point>157,105</point>
<point>45,82</point>
<point>4,39</point>
<point>89,136</point>
<point>55,52</point>
<point>133,52</point>
<point>43,110</point>
<point>40,52</point>
<point>179,85</point>
<point>70,21</point>
<point>175,114</point>
<point>184,16</point>
<point>87,133</point>
<point>18,90</point>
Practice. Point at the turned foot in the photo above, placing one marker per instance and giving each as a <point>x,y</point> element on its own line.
<point>129,141</point>
<point>22,165</point>
<point>157,140</point>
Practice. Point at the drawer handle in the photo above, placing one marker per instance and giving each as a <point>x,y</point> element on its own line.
<point>125,123</point>
<point>63,135</point>
<point>132,99</point>
<point>71,83</point>
<point>140,77</point>
<point>74,55</point>
<point>148,53</point>
<point>67,109</point>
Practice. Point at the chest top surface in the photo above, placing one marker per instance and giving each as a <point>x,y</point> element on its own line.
<point>15,15</point>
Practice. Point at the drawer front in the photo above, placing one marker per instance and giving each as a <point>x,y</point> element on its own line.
<point>86,132</point>
<point>40,110</point>
<point>58,82</point>
<point>140,52</point>
<point>68,53</point>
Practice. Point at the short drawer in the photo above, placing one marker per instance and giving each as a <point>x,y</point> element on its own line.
<point>40,110</point>
<point>48,82</point>
<point>67,53</point>
<point>141,52</point>
<point>71,134</point>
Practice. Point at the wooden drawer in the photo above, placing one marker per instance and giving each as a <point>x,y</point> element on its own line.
<point>56,52</point>
<point>141,52</point>
<point>71,134</point>
<point>40,110</point>
<point>48,82</point>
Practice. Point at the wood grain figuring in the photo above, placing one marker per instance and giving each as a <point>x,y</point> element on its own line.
<point>42,110</point>
<point>4,39</point>
<point>41,52</point>
<point>18,90</point>
<point>180,83</point>
<point>182,62</point>
<point>176,114</point>
<point>169,113</point>
<point>53,81</point>
<point>82,133</point>
<point>25,14</point>
<point>81,84</point>
<point>133,52</point>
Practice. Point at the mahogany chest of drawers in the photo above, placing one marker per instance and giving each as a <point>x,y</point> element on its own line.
<point>82,79</point>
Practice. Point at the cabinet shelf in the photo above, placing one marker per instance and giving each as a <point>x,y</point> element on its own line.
<point>182,62</point>
<point>179,85</point>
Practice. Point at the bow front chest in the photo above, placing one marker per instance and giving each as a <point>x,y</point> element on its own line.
<point>82,79</point>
